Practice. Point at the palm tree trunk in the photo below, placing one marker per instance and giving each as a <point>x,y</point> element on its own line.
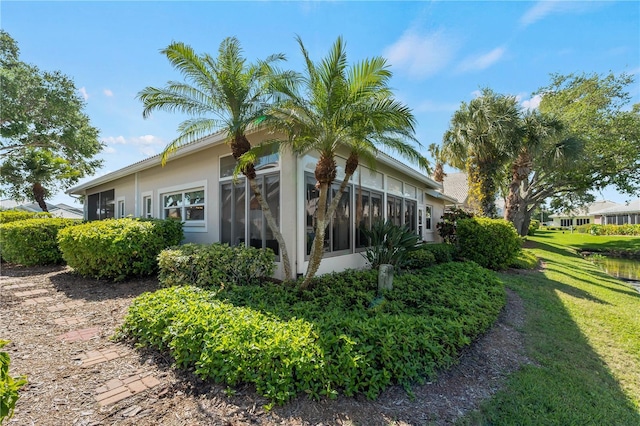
<point>39,194</point>
<point>271,222</point>
<point>515,208</point>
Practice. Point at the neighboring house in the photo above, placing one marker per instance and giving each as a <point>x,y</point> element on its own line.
<point>620,214</point>
<point>196,185</point>
<point>581,216</point>
<point>58,210</point>
<point>456,186</point>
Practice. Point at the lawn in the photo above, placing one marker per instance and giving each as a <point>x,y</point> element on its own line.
<point>583,337</point>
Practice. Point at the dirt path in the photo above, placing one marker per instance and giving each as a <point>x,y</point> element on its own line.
<point>59,325</point>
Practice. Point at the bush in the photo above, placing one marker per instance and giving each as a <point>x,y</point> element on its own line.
<point>389,244</point>
<point>524,260</point>
<point>442,252</point>
<point>338,336</point>
<point>447,228</point>
<point>492,243</point>
<point>534,225</point>
<point>419,259</point>
<point>9,386</point>
<point>593,229</point>
<point>118,248</point>
<point>212,265</point>
<point>33,241</point>
<point>7,216</point>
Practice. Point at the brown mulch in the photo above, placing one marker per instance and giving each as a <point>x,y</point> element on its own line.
<point>62,392</point>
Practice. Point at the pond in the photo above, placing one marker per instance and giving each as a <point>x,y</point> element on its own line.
<point>624,269</point>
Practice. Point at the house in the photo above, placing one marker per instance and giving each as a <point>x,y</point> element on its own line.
<point>582,216</point>
<point>196,185</point>
<point>456,186</point>
<point>621,214</point>
<point>57,210</point>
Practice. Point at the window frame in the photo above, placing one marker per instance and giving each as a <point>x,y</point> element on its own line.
<point>200,225</point>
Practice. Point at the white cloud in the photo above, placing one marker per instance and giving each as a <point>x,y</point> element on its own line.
<point>107,93</point>
<point>147,140</point>
<point>117,140</point>
<point>538,11</point>
<point>481,62</point>
<point>83,92</point>
<point>421,55</point>
<point>476,93</point>
<point>109,150</point>
<point>148,151</point>
<point>532,103</point>
<point>146,144</point>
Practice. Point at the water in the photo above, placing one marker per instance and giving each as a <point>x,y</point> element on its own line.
<point>624,269</point>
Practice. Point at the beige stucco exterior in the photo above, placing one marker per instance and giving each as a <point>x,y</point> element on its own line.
<point>198,166</point>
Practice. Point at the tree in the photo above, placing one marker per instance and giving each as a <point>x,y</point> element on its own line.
<point>478,141</point>
<point>223,93</point>
<point>437,153</point>
<point>46,142</point>
<point>334,106</point>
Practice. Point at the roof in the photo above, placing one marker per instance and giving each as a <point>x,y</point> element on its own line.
<point>58,210</point>
<point>588,210</point>
<point>218,139</point>
<point>455,186</point>
<point>630,207</point>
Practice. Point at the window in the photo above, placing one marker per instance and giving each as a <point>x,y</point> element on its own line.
<point>338,235</point>
<point>368,210</point>
<point>147,206</point>
<point>394,210</point>
<point>267,160</point>
<point>582,221</point>
<point>394,186</point>
<point>427,217</point>
<point>101,205</point>
<point>242,221</point>
<point>121,209</point>
<point>566,222</point>
<point>410,214</point>
<point>187,206</point>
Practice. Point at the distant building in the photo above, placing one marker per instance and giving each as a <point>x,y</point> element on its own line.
<point>456,186</point>
<point>582,216</point>
<point>621,214</point>
<point>57,210</point>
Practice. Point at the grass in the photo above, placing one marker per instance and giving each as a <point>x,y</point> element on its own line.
<point>588,242</point>
<point>582,334</point>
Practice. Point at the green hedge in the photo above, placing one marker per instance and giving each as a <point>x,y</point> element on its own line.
<point>7,216</point>
<point>337,337</point>
<point>442,252</point>
<point>118,248</point>
<point>632,230</point>
<point>492,243</point>
<point>212,265</point>
<point>534,225</point>
<point>33,241</point>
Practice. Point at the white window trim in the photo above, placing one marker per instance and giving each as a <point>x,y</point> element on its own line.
<point>120,214</point>
<point>272,169</point>
<point>144,195</point>
<point>188,226</point>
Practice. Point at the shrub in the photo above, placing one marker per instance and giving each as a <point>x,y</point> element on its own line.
<point>447,228</point>
<point>442,252</point>
<point>7,216</point>
<point>389,243</point>
<point>593,229</point>
<point>33,241</point>
<point>212,265</point>
<point>524,260</point>
<point>419,259</point>
<point>534,225</point>
<point>118,248</point>
<point>492,243</point>
<point>9,386</point>
<point>338,336</point>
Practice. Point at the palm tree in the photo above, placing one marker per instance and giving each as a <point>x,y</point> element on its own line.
<point>334,106</point>
<point>437,153</point>
<point>223,93</point>
<point>478,140</point>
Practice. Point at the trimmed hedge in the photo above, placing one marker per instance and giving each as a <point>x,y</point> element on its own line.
<point>118,248</point>
<point>534,225</point>
<point>213,265</point>
<point>492,243</point>
<point>337,337</point>
<point>593,229</point>
<point>7,216</point>
<point>33,241</point>
<point>419,259</point>
<point>442,252</point>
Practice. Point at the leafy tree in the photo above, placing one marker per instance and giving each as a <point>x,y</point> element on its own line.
<point>224,93</point>
<point>478,141</point>
<point>46,142</point>
<point>437,153</point>
<point>335,106</point>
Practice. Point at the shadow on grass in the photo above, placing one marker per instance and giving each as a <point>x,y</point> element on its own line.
<point>571,383</point>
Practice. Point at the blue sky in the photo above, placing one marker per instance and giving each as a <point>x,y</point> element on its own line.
<point>441,52</point>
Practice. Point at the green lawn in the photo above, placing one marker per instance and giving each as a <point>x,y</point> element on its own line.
<point>583,335</point>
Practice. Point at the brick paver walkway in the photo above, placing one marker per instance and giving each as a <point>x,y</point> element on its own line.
<point>92,358</point>
<point>76,335</point>
<point>31,292</point>
<point>116,390</point>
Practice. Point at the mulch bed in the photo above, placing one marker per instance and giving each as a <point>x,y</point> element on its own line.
<point>63,391</point>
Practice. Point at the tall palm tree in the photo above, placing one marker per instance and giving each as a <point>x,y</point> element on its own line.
<point>223,93</point>
<point>334,106</point>
<point>437,153</point>
<point>478,140</point>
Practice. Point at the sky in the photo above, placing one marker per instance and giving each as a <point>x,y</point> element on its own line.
<point>441,53</point>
